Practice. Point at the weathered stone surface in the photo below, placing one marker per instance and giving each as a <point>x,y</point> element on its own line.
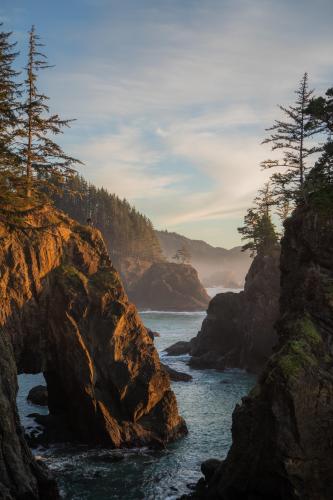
<point>63,312</point>
<point>238,330</point>
<point>283,430</point>
<point>167,286</point>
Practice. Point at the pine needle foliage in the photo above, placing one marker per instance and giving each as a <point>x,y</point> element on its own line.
<point>292,137</point>
<point>39,153</point>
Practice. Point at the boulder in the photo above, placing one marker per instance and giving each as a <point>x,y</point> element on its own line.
<point>176,376</point>
<point>38,395</point>
<point>179,348</point>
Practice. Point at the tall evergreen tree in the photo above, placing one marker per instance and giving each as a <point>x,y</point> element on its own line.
<point>265,198</point>
<point>9,118</point>
<point>39,153</point>
<point>258,229</point>
<point>291,136</point>
<point>320,112</point>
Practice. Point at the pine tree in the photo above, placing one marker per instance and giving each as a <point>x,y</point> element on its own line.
<point>320,112</point>
<point>40,154</point>
<point>265,198</point>
<point>291,137</point>
<point>9,120</point>
<point>258,229</point>
<point>183,255</point>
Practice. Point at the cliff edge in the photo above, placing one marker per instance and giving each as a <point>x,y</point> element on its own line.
<point>64,312</point>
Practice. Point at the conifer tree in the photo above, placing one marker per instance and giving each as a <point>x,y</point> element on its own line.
<point>265,198</point>
<point>258,229</point>
<point>183,255</point>
<point>9,119</point>
<point>320,112</point>
<point>291,136</point>
<point>40,154</point>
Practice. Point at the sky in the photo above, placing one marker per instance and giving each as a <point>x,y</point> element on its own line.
<point>172,97</point>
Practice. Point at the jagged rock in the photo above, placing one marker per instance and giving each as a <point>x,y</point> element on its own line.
<point>176,376</point>
<point>167,286</point>
<point>283,431</point>
<point>64,312</point>
<point>179,348</point>
<point>38,395</point>
<point>238,331</point>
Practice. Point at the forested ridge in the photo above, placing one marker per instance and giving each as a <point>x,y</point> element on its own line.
<point>127,232</point>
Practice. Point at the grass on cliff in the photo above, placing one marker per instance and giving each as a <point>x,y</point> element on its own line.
<point>70,275</point>
<point>104,280</point>
<point>301,352</point>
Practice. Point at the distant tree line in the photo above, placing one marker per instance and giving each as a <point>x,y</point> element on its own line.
<point>126,231</point>
<point>305,132</point>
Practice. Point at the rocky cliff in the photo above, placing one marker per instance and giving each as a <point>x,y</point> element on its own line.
<point>283,430</point>
<point>167,286</point>
<point>63,312</point>
<point>238,330</point>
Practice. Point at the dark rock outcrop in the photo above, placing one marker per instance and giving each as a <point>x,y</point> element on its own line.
<point>179,348</point>
<point>239,328</point>
<point>283,430</point>
<point>64,312</point>
<point>38,395</point>
<point>176,376</point>
<point>168,286</point>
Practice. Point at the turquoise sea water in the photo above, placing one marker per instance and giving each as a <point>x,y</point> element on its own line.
<point>206,403</point>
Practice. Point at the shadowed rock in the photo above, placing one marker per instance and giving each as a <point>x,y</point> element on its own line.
<point>176,376</point>
<point>179,348</point>
<point>238,331</point>
<point>283,430</point>
<point>38,395</point>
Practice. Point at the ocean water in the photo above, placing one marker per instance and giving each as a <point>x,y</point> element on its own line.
<point>206,403</point>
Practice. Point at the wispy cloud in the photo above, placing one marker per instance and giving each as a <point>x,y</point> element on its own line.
<point>172,98</point>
